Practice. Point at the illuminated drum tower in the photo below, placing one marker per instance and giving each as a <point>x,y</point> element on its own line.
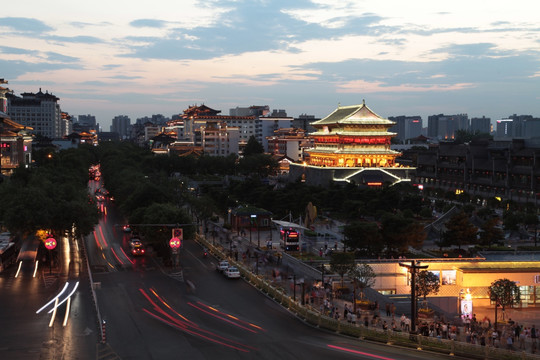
<point>352,144</point>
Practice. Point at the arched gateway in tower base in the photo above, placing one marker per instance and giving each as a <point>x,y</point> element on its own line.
<point>352,144</point>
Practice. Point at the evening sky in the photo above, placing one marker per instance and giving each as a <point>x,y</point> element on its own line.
<point>417,57</point>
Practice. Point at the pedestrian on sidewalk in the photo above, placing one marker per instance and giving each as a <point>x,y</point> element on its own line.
<point>387,309</point>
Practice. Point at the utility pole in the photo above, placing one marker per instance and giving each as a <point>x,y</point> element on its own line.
<point>413,270</point>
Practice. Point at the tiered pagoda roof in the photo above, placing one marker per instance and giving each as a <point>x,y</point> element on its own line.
<point>353,136</point>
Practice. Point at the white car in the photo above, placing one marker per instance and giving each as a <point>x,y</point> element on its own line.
<point>232,272</point>
<point>223,266</point>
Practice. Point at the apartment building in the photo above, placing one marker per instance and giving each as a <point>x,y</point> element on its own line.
<point>40,111</point>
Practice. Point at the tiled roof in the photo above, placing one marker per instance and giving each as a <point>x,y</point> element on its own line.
<point>354,114</point>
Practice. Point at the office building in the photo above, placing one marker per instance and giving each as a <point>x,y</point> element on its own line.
<point>121,125</point>
<point>407,127</point>
<point>481,125</point>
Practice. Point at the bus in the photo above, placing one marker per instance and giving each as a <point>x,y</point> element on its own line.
<point>289,239</point>
<point>8,251</point>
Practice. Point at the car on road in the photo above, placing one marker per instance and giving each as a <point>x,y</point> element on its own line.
<point>223,266</point>
<point>137,248</point>
<point>126,228</point>
<point>232,272</point>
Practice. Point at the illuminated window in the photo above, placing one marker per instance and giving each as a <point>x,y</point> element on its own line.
<point>449,277</point>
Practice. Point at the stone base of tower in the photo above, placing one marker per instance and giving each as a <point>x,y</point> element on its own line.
<point>324,176</point>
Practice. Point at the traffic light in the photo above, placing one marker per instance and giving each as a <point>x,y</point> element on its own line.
<point>177,233</point>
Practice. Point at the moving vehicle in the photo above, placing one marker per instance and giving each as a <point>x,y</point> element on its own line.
<point>289,239</point>
<point>232,272</point>
<point>137,247</point>
<point>223,266</point>
<point>126,228</point>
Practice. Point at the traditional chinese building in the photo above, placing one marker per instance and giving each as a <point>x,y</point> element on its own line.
<point>352,144</point>
<point>353,136</point>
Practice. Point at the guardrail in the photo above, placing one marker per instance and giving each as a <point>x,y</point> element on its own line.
<point>317,319</point>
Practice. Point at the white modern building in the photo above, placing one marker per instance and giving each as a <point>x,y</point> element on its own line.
<point>40,111</point>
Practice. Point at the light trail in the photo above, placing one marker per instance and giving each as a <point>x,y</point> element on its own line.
<point>66,315</point>
<point>359,352</point>
<point>63,301</point>
<point>35,269</point>
<point>53,316</point>
<point>231,316</point>
<point>116,256</point>
<point>195,333</point>
<point>185,326</point>
<point>222,318</point>
<point>170,308</point>
<point>53,299</point>
<point>103,236</point>
<point>97,240</point>
<point>127,257</point>
<point>19,269</point>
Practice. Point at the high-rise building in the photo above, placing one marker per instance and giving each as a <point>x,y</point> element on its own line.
<point>40,111</point>
<point>481,125</point>
<point>87,121</point>
<point>407,127</point>
<point>303,121</point>
<point>254,110</point>
<point>120,125</point>
<point>217,139</point>
<point>444,127</point>
<point>505,128</point>
<point>270,124</point>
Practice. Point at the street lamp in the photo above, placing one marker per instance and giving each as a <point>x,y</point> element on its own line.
<point>413,269</point>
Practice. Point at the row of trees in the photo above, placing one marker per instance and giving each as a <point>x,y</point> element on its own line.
<point>51,195</point>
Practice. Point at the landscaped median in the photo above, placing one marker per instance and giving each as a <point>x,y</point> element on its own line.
<point>397,338</point>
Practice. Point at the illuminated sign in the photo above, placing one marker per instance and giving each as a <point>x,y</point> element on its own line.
<point>50,243</point>
<point>177,233</point>
<point>374,183</point>
<point>175,243</point>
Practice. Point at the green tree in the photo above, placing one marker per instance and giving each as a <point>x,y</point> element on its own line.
<point>363,277</point>
<point>341,263</point>
<point>261,165</point>
<point>504,293</point>
<point>531,220</point>
<point>491,234</point>
<point>253,147</point>
<point>459,231</point>
<point>364,237</point>
<point>426,283</point>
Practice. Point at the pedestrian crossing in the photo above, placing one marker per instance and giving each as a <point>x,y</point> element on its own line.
<point>105,352</point>
<point>49,278</point>
<point>179,275</point>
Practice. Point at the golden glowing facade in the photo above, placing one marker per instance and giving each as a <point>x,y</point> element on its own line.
<point>352,136</point>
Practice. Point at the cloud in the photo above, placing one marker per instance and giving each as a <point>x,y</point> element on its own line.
<point>153,23</point>
<point>76,39</point>
<point>15,51</point>
<point>56,57</point>
<point>361,86</point>
<point>25,25</point>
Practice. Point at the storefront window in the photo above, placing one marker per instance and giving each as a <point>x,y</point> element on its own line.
<point>449,277</point>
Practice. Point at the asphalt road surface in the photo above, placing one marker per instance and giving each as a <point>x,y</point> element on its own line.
<point>154,312</point>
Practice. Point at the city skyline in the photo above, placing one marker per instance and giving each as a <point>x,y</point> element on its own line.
<point>106,59</point>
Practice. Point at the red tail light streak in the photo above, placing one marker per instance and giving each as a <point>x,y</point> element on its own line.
<point>352,351</point>
<point>181,323</point>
